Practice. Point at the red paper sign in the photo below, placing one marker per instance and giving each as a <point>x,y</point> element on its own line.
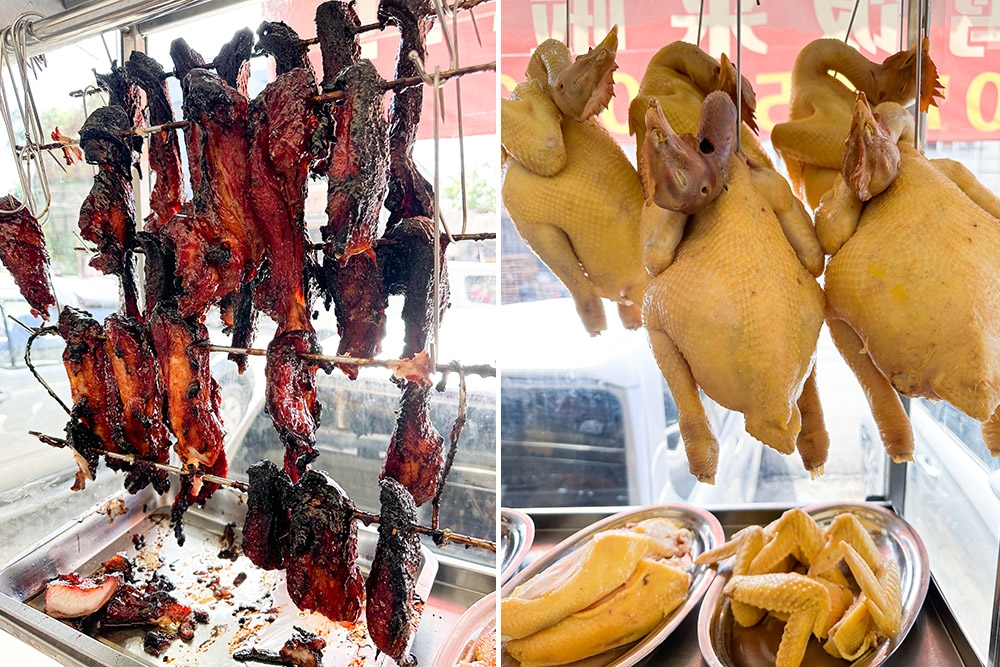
<point>381,47</point>
<point>965,45</point>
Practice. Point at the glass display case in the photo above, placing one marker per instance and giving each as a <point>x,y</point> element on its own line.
<point>588,422</point>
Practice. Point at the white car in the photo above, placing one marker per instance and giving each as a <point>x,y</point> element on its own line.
<point>590,421</point>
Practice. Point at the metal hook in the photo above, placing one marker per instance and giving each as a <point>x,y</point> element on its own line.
<point>35,333</point>
<point>850,24</point>
<point>453,436</point>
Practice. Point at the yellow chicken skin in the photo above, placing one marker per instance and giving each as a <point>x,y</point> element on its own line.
<point>737,314</point>
<point>811,142</point>
<point>654,590</point>
<point>586,576</point>
<point>912,292</point>
<point>811,606</point>
<point>570,191</point>
<point>680,76</point>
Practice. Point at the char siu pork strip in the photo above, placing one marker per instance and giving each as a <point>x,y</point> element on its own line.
<point>167,195</point>
<point>406,256</point>
<point>233,61</point>
<point>336,24</point>
<point>107,217</point>
<point>130,352</point>
<point>415,455</point>
<point>218,250</point>
<point>193,400</point>
<point>279,40</point>
<point>265,530</point>
<point>393,608</point>
<point>123,91</point>
<point>241,319</point>
<point>23,252</point>
<point>184,58</point>
<point>149,604</point>
<point>159,265</point>
<point>97,407</point>
<point>282,123</point>
<point>356,185</point>
<point>291,397</point>
<point>410,194</point>
<point>322,573</point>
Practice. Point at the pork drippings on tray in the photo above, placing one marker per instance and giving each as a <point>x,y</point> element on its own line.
<point>193,400</point>
<point>357,171</point>
<point>167,195</point>
<point>409,193</point>
<point>113,598</point>
<point>393,609</point>
<point>23,252</point>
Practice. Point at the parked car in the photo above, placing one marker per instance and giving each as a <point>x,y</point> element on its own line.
<point>590,421</point>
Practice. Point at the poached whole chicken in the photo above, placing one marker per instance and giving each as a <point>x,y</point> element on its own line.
<point>736,312</point>
<point>571,192</point>
<point>811,142</point>
<point>912,286</point>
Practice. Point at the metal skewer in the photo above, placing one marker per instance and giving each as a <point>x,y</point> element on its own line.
<point>395,84</point>
<point>440,536</point>
<point>483,370</point>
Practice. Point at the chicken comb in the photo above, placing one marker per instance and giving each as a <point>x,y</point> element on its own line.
<point>727,84</point>
<point>930,85</point>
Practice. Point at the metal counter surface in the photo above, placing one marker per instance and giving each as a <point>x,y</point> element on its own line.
<point>932,642</point>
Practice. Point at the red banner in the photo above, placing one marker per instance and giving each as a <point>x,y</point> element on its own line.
<point>381,47</point>
<point>965,45</point>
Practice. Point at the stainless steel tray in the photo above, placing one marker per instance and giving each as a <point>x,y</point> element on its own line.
<point>895,538</point>
<point>259,613</point>
<point>517,532</point>
<point>707,533</point>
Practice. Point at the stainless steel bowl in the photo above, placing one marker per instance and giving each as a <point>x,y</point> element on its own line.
<point>517,532</point>
<point>721,646</point>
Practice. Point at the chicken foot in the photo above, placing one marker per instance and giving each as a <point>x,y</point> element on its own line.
<point>700,445</point>
<point>890,417</point>
<point>555,248</point>
<point>813,441</point>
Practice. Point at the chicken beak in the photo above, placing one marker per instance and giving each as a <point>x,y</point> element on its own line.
<point>677,176</point>
<point>871,156</point>
<point>586,87</point>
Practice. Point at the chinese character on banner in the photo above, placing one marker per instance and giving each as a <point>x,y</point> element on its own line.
<point>867,35</point>
<point>591,21</point>
<point>719,24</point>
<point>975,25</point>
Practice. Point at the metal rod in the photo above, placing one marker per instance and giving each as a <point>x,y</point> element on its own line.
<point>42,331</point>
<point>453,436</point>
<point>701,15</point>
<point>483,370</point>
<point>395,84</point>
<point>739,76</point>
<point>850,24</point>
<point>440,537</point>
<point>919,130</point>
<point>567,24</point>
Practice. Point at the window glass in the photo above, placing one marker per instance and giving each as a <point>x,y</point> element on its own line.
<point>34,483</point>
